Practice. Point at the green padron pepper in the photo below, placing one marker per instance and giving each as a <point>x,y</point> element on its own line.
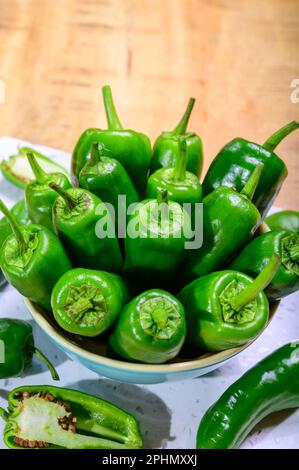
<point>43,416</point>
<point>227,308</point>
<point>87,302</point>
<point>76,215</point>
<point>151,328</point>
<point>18,343</point>
<point>32,260</point>
<point>237,160</point>
<point>256,255</point>
<point>39,196</point>
<point>284,220</point>
<point>166,149</point>
<point>131,148</point>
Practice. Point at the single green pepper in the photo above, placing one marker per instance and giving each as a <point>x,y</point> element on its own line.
<point>151,328</point>
<point>87,302</point>
<point>256,255</point>
<point>229,221</point>
<point>39,196</point>
<point>106,178</point>
<point>76,215</point>
<point>155,243</point>
<point>32,260</point>
<point>284,220</point>
<point>131,148</point>
<point>43,416</point>
<point>227,308</point>
<point>235,163</point>
<point>182,186</point>
<point>18,347</point>
<point>166,149</point>
<point>18,171</point>
<point>271,385</point>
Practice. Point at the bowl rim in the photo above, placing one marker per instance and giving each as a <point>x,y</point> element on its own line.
<point>204,361</point>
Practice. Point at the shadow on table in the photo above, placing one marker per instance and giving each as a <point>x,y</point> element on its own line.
<point>152,413</point>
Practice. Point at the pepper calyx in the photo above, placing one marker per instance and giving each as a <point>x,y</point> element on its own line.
<point>159,318</point>
<point>20,255</point>
<point>230,315</point>
<point>85,305</point>
<point>290,253</point>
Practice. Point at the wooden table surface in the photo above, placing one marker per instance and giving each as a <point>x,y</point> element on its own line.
<point>238,58</point>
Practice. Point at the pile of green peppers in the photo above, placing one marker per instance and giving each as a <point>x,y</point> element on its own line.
<point>151,294</point>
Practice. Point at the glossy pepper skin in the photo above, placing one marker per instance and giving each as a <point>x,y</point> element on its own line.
<point>76,215</point>
<point>65,418</point>
<point>235,163</point>
<point>166,149</point>
<point>17,339</point>
<point>106,178</point>
<point>155,251</point>
<point>32,260</point>
<point>227,308</point>
<point>284,220</point>
<point>229,221</point>
<point>87,302</point>
<point>151,328</point>
<point>271,385</point>
<point>256,255</point>
<point>39,196</point>
<point>182,186</point>
<point>131,148</point>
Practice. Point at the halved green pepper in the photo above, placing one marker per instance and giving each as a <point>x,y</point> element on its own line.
<point>131,148</point>
<point>284,220</point>
<point>42,416</point>
<point>227,308</point>
<point>87,302</point>
<point>76,215</point>
<point>256,255</point>
<point>32,260</point>
<point>151,328</point>
<point>235,163</point>
<point>166,149</point>
<point>39,196</point>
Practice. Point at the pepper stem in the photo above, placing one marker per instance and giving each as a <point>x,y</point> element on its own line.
<point>111,114</point>
<point>45,360</point>
<point>3,414</point>
<point>251,185</point>
<point>182,125</point>
<point>95,155</point>
<point>179,173</point>
<point>14,226</point>
<point>248,294</point>
<point>275,139</point>
<point>39,173</point>
<point>162,199</point>
<point>70,200</point>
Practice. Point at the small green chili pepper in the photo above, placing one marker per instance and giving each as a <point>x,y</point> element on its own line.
<point>86,302</point>
<point>284,220</point>
<point>227,308</point>
<point>166,149</point>
<point>32,260</point>
<point>43,416</point>
<point>76,215</point>
<point>235,163</point>
<point>151,328</point>
<point>39,196</point>
<point>18,342</point>
<point>256,255</point>
<point>271,385</point>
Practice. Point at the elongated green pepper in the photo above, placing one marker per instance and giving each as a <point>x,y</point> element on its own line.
<point>131,148</point>
<point>227,308</point>
<point>86,302</point>
<point>151,328</point>
<point>42,416</point>
<point>256,255</point>
<point>32,260</point>
<point>76,215</point>
<point>284,220</point>
<point>235,163</point>
<point>18,342</point>
<point>39,196</point>
<point>166,149</point>
<point>270,386</point>
<point>229,221</point>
